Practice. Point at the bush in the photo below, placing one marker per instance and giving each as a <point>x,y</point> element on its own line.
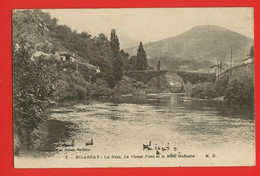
<point>206,90</point>
<point>221,85</point>
<point>86,72</point>
<point>71,85</point>
<point>241,90</point>
<point>125,86</point>
<point>100,88</point>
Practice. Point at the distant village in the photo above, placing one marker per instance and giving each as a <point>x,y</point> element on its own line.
<point>220,68</point>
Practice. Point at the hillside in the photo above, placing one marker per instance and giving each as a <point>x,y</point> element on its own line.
<point>37,32</point>
<point>197,49</point>
<point>126,42</point>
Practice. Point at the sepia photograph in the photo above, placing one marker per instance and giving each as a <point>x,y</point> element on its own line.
<point>133,87</point>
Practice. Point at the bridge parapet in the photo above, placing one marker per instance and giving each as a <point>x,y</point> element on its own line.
<point>240,70</point>
<point>194,77</point>
<point>144,76</point>
<point>187,79</point>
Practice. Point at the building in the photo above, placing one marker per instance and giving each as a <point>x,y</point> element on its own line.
<point>248,60</point>
<point>97,70</point>
<point>213,69</point>
<point>38,54</point>
<point>64,56</point>
<point>217,68</point>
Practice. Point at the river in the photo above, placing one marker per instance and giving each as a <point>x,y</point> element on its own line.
<point>216,133</point>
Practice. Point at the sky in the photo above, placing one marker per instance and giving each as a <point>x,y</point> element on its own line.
<point>152,24</point>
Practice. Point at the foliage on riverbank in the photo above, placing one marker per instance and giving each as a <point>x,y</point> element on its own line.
<point>125,86</point>
<point>41,77</point>
<point>71,86</point>
<point>34,84</point>
<point>239,89</point>
<point>39,80</point>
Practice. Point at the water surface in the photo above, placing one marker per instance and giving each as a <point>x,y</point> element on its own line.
<point>122,126</point>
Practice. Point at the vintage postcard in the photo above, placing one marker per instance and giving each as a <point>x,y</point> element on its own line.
<point>141,87</point>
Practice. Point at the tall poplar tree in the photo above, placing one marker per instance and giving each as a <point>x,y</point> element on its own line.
<point>117,62</point>
<point>141,63</point>
<point>114,43</point>
<point>251,52</point>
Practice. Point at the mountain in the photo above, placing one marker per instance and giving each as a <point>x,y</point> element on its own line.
<point>197,49</point>
<point>126,42</point>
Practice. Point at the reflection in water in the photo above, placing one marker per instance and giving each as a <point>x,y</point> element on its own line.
<point>55,132</point>
<point>125,124</point>
<point>52,134</point>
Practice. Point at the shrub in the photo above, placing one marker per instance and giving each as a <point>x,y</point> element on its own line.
<point>221,85</point>
<point>71,85</point>
<point>125,86</point>
<point>241,90</point>
<point>206,90</point>
<point>100,88</point>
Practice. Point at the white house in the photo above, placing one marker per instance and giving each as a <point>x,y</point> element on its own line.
<point>97,70</point>
<point>248,60</point>
<point>73,59</point>
<point>38,54</point>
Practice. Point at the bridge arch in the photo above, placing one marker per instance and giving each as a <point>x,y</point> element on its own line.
<point>179,78</point>
<point>175,81</point>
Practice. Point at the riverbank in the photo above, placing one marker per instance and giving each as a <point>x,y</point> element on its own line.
<point>222,98</point>
<point>238,87</point>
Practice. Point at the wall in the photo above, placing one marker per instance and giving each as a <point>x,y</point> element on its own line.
<point>241,70</point>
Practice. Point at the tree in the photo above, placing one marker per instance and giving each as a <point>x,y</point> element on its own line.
<point>114,43</point>
<point>251,52</point>
<point>109,77</point>
<point>118,68</point>
<point>125,59</point>
<point>33,89</point>
<point>221,84</point>
<point>118,59</point>
<point>141,58</point>
<point>159,65</point>
<point>132,63</point>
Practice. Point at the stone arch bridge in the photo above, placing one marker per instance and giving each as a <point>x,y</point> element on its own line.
<point>187,79</point>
